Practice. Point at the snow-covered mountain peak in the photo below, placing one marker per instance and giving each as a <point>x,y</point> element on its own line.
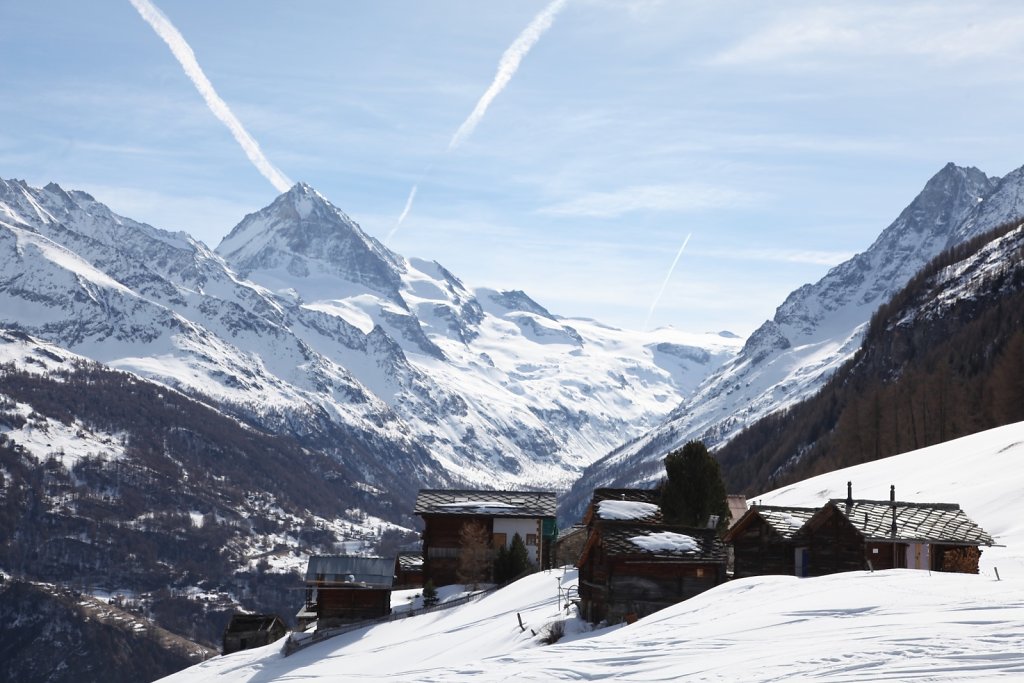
<point>302,239</point>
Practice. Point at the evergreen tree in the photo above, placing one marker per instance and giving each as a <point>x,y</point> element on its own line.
<point>693,490</point>
<point>429,594</point>
<point>518,558</point>
<point>502,568</point>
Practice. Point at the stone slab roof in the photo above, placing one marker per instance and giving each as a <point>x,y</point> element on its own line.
<point>370,572</point>
<point>915,522</point>
<point>786,521</point>
<point>410,561</point>
<point>486,503</point>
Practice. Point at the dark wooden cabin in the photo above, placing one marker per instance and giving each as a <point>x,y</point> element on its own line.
<point>850,535</point>
<point>246,631</point>
<point>847,535</point>
<point>409,569</point>
<point>634,564</point>
<point>762,540</point>
<point>344,588</point>
<point>631,569</point>
<point>503,514</point>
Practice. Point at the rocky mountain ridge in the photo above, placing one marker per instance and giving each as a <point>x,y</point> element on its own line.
<point>305,324</point>
<point>818,327</point>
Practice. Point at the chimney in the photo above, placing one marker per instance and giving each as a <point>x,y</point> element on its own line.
<point>892,502</point>
<point>849,497</point>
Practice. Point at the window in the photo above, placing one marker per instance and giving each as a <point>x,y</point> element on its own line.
<point>531,539</point>
<point>499,540</point>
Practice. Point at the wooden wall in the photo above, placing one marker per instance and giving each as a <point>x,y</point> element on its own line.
<point>627,589</point>
<point>351,604</point>
<point>441,534</point>
<point>760,550</point>
<point>833,546</point>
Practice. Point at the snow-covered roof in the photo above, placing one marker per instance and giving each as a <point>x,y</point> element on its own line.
<point>662,543</point>
<point>666,541</point>
<point>489,503</point>
<point>648,496</point>
<point>626,510</point>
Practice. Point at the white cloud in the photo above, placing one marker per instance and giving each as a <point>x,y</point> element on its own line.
<point>658,197</point>
<point>946,33</point>
<point>807,256</point>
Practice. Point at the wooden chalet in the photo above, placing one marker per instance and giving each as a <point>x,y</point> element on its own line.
<point>633,564</point>
<point>246,631</point>
<point>409,569</point>
<point>344,588</point>
<point>849,535</point>
<point>531,514</point>
<point>763,540</point>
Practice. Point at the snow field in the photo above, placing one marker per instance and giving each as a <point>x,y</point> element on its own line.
<point>897,625</point>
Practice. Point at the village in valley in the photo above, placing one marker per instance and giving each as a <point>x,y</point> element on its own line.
<point>636,551</point>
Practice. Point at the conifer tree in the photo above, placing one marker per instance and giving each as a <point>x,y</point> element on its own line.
<point>519,557</point>
<point>429,594</point>
<point>693,490</point>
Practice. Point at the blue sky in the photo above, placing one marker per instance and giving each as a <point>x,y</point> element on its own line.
<point>781,137</point>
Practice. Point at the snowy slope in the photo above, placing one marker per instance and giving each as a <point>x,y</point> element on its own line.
<point>304,323</point>
<point>902,625</point>
<point>819,327</point>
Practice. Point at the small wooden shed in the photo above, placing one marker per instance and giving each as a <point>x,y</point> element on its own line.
<point>246,631</point>
<point>346,588</point>
<point>409,569</point>
<point>763,540</point>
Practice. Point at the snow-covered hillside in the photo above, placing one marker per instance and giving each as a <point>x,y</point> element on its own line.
<point>304,323</point>
<point>900,625</point>
<point>820,326</point>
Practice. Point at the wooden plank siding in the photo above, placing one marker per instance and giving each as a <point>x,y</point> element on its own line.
<point>341,604</point>
<point>833,545</point>
<point>760,550</point>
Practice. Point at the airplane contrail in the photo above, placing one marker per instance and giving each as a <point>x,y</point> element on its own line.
<point>183,53</point>
<point>664,284</point>
<point>507,67</point>
<point>405,212</point>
